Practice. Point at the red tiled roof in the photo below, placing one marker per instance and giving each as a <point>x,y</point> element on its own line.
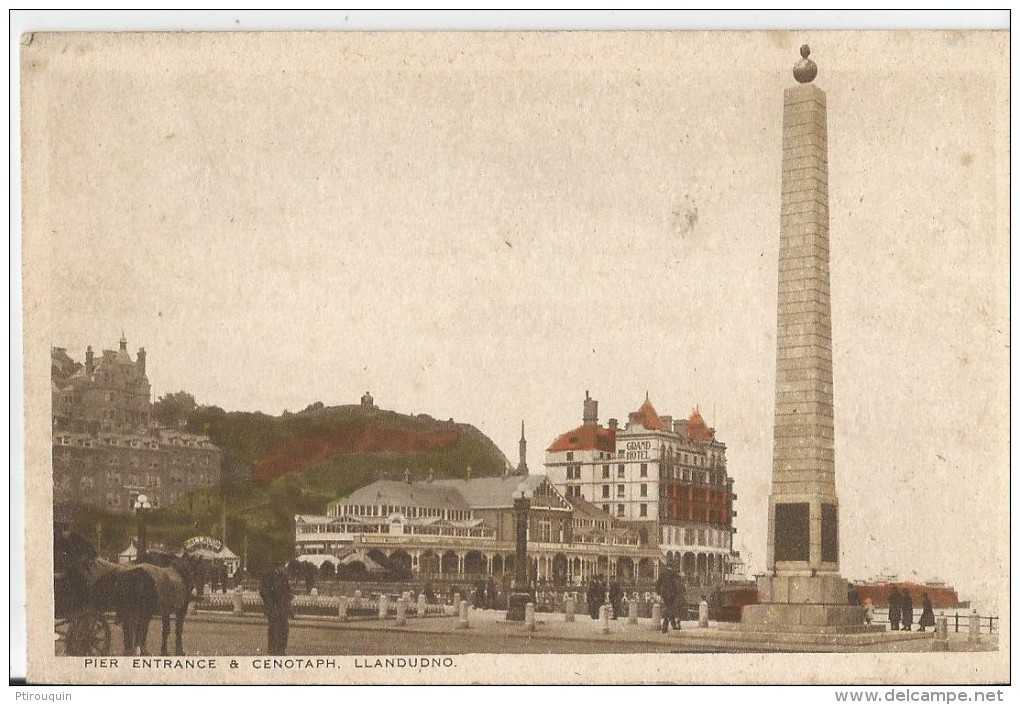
<point>648,417</point>
<point>586,438</point>
<point>697,428</point>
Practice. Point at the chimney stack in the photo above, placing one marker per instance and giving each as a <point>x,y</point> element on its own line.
<point>90,361</point>
<point>591,410</point>
<point>141,360</point>
<point>614,424</point>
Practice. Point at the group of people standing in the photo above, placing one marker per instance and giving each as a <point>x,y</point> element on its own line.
<point>599,592</point>
<point>901,611</point>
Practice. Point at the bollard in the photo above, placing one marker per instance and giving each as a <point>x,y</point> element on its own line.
<point>656,616</point>
<point>632,608</point>
<point>974,635</point>
<point>341,610</point>
<point>422,606</point>
<point>604,618</point>
<point>703,614</point>
<point>942,633</point>
<point>463,622</point>
<point>401,620</point>
<point>238,598</point>
<point>357,599</point>
<point>384,606</point>
<point>569,608</point>
<point>529,617</point>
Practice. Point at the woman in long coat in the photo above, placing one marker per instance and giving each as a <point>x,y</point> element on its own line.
<point>927,615</point>
<point>907,608</point>
<point>894,608</point>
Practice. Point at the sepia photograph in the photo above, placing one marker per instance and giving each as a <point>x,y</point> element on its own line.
<point>516,357</point>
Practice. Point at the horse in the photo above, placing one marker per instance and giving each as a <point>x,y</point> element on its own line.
<point>161,586</point>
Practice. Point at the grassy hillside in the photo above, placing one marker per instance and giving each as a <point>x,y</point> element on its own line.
<point>306,460</point>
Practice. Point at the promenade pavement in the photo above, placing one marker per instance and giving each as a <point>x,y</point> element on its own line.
<point>490,627</point>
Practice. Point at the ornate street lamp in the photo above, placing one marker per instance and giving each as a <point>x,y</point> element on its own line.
<point>142,507</point>
<point>520,595</point>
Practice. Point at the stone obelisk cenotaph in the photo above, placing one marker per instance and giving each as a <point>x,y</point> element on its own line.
<point>803,590</point>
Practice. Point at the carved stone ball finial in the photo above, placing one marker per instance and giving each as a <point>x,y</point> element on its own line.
<point>805,69</point>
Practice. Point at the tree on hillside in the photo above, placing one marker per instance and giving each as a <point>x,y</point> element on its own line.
<point>172,410</point>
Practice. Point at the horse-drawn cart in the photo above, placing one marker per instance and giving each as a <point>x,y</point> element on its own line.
<point>83,590</point>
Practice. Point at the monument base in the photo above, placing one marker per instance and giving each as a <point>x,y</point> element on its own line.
<point>804,604</point>
<point>515,606</point>
<point>804,619</point>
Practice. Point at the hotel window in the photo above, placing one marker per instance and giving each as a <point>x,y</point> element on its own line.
<point>605,490</point>
<point>621,471</point>
<point>605,508</point>
<point>619,490</point>
<point>644,469</point>
<point>644,490</point>
<point>619,510</point>
<point>570,455</point>
<point>644,510</point>
<point>605,471</point>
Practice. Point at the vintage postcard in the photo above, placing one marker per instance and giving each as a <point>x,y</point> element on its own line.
<point>554,357</point>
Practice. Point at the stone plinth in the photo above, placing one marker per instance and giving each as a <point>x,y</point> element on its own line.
<point>803,589</point>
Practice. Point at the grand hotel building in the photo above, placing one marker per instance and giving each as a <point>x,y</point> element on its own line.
<point>663,475</point>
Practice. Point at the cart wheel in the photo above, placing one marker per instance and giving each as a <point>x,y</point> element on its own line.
<point>88,635</point>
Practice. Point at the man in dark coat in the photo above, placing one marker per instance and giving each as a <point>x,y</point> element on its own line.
<point>594,597</point>
<point>927,614</point>
<point>491,594</point>
<point>276,598</point>
<point>616,597</point>
<point>680,608</point>
<point>906,610</point>
<point>223,577</point>
<point>895,605</point>
<point>666,586</point>
<point>852,596</point>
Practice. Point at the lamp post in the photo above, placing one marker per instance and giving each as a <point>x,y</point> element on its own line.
<point>142,507</point>
<point>520,595</point>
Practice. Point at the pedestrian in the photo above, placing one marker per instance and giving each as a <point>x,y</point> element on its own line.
<point>430,596</point>
<point>616,597</point>
<point>895,605</point>
<point>479,601</point>
<point>224,577</point>
<point>852,597</point>
<point>594,598</point>
<point>906,610</point>
<point>491,594</point>
<point>666,586</point>
<point>869,610</point>
<point>680,610</point>
<point>276,598</point>
<point>927,615</point>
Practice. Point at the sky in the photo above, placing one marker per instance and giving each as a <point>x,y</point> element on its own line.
<point>485,227</point>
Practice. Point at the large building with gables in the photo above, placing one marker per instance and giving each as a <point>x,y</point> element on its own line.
<point>464,530</point>
<point>107,448</point>
<point>667,477</point>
